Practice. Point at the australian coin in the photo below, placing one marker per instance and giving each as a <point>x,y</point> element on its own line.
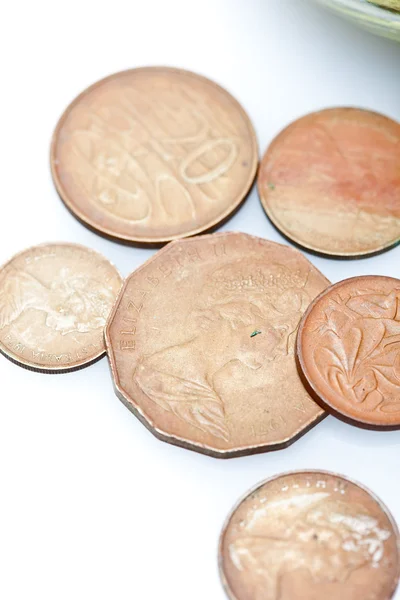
<point>153,154</point>
<point>349,349</point>
<point>309,535</point>
<point>330,182</point>
<point>54,302</point>
<point>201,343</point>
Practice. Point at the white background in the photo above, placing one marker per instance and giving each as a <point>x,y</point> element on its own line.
<point>92,506</point>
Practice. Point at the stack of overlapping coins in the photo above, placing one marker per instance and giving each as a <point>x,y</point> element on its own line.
<point>225,343</point>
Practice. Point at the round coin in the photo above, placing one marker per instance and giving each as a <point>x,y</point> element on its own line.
<point>309,535</point>
<point>348,348</point>
<point>54,302</point>
<point>201,344</point>
<point>153,154</point>
<point>330,182</point>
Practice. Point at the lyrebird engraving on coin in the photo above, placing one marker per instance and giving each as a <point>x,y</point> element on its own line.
<point>201,343</point>
<point>349,349</point>
<point>153,154</point>
<point>54,302</point>
<point>309,535</point>
<point>330,182</point>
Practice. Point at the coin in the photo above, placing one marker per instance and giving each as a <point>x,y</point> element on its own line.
<point>309,535</point>
<point>349,349</point>
<point>54,301</point>
<point>201,344</point>
<point>153,154</point>
<point>330,182</point>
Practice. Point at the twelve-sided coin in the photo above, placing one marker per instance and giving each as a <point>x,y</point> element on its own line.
<point>201,343</point>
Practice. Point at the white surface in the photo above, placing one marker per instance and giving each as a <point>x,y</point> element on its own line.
<point>92,506</point>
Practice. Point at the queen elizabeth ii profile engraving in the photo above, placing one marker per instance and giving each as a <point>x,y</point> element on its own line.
<point>310,532</point>
<point>246,313</point>
<point>71,303</point>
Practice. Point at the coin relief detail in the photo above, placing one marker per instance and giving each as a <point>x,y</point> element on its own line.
<point>153,154</point>
<point>313,535</point>
<point>207,324</point>
<point>350,348</point>
<point>54,302</point>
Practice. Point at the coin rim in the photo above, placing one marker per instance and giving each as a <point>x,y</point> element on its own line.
<point>135,408</point>
<point>133,239</point>
<point>282,229</point>
<point>320,396</point>
<point>77,365</point>
<point>304,472</point>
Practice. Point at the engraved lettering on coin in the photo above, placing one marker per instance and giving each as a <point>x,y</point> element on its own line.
<point>349,348</point>
<point>153,154</point>
<point>54,302</point>
<point>214,330</point>
<point>309,535</point>
<point>330,182</point>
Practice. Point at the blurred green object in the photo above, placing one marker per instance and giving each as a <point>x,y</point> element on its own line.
<point>392,4</point>
<point>382,21</point>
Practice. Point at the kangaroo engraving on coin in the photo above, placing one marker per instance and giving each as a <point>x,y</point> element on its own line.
<point>330,182</point>
<point>309,535</point>
<point>153,154</point>
<point>349,349</point>
<point>54,302</point>
<point>201,343</point>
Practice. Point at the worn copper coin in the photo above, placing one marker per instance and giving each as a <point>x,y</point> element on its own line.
<point>349,349</point>
<point>54,301</point>
<point>201,343</point>
<point>153,154</point>
<point>331,182</point>
<point>310,535</point>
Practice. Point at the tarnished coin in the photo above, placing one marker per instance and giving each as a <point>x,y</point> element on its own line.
<point>331,182</point>
<point>201,344</point>
<point>153,154</point>
<point>54,302</point>
<point>349,349</point>
<point>310,535</point>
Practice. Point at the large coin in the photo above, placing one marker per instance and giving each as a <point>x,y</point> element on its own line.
<point>153,154</point>
<point>201,343</point>
<point>54,302</point>
<point>349,349</point>
<point>331,182</point>
<point>310,535</point>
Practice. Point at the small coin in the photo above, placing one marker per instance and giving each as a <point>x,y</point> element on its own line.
<point>54,302</point>
<point>201,344</point>
<point>349,349</point>
<point>153,154</point>
<point>309,535</point>
<point>330,182</point>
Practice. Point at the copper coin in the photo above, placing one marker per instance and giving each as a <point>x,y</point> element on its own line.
<point>201,344</point>
<point>309,535</point>
<point>331,182</point>
<point>54,301</point>
<point>153,154</point>
<point>349,349</point>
